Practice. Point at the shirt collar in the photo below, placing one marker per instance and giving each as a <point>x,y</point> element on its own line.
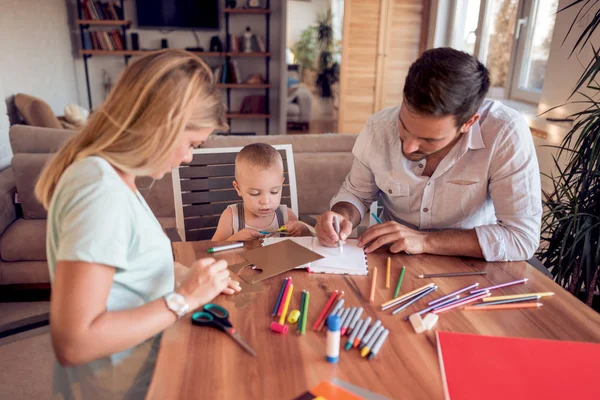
<point>474,139</point>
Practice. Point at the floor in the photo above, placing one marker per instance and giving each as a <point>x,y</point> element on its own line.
<point>25,359</point>
<point>324,117</point>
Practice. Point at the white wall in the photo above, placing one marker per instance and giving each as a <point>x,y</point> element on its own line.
<point>302,14</point>
<point>563,72</point>
<point>37,59</point>
<point>150,39</point>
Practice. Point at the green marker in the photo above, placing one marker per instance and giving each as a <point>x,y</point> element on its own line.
<point>305,312</point>
<point>399,282</point>
<point>302,300</point>
<point>226,247</point>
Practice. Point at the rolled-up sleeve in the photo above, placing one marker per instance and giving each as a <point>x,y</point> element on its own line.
<point>359,187</point>
<point>515,191</point>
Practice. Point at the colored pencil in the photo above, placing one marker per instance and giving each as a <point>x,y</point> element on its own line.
<point>518,296</point>
<point>373,281</point>
<point>286,305</point>
<point>331,310</point>
<point>460,303</point>
<point>388,273</point>
<point>400,278</point>
<point>452,274</point>
<point>459,291</point>
<point>501,285</point>
<point>505,306</point>
<point>379,221</point>
<point>305,312</point>
<point>279,297</point>
<point>325,309</point>
<point>508,301</point>
<point>406,295</point>
<point>467,297</point>
<point>299,323</point>
<point>281,303</point>
<point>440,304</point>
<point>414,300</point>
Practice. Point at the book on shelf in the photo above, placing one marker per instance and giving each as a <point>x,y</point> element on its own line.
<point>103,40</point>
<point>261,44</point>
<point>99,10</point>
<point>253,105</point>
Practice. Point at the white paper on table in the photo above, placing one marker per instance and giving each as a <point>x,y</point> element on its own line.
<point>353,260</point>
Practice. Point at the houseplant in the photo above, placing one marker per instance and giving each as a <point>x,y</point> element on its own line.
<point>328,71</point>
<point>305,51</point>
<point>571,222</point>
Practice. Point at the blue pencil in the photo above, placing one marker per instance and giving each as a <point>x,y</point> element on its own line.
<point>379,221</point>
<point>279,297</point>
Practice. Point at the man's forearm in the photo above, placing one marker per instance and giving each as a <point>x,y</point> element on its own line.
<point>453,242</point>
<point>349,211</point>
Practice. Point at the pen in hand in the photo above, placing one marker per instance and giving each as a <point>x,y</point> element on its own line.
<point>336,226</point>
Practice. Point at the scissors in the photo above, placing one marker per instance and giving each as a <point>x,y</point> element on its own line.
<point>217,317</point>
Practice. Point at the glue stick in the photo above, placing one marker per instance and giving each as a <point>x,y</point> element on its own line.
<point>334,323</point>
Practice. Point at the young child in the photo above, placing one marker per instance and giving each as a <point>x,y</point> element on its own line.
<point>259,182</point>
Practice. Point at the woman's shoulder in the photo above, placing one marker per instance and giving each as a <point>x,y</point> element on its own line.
<point>90,169</point>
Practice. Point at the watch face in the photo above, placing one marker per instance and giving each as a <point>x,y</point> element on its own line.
<point>177,303</point>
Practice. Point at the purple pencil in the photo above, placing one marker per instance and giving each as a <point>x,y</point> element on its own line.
<point>452,294</point>
<point>443,303</point>
<point>446,304</point>
<point>500,285</point>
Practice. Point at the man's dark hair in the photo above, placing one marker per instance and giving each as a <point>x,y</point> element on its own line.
<point>446,81</point>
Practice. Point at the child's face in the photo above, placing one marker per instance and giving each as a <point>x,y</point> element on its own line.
<point>259,188</point>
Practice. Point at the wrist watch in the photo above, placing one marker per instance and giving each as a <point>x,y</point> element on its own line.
<point>177,303</point>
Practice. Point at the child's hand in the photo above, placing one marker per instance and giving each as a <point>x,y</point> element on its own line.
<point>297,228</point>
<point>246,234</point>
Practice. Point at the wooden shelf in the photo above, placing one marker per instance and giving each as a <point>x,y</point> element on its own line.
<point>248,116</point>
<point>242,54</point>
<point>243,85</point>
<point>247,11</point>
<point>97,52</point>
<point>103,22</point>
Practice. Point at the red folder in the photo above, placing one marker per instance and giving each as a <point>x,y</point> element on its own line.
<point>489,368</point>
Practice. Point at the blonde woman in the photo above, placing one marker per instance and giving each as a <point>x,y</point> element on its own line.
<point>114,283</point>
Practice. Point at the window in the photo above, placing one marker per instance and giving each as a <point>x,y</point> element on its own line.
<point>511,37</point>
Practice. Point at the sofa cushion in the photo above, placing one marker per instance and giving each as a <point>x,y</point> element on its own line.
<point>31,139</point>
<point>24,240</point>
<point>36,112</point>
<point>310,143</point>
<point>27,169</point>
<point>24,272</point>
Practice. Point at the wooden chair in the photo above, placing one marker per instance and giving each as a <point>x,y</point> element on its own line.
<point>204,188</point>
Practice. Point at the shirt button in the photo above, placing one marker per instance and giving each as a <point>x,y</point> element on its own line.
<point>428,183</point>
<point>420,165</point>
<point>425,209</point>
<point>390,191</point>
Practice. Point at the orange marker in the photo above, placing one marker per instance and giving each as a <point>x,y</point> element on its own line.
<point>388,273</point>
<point>505,306</point>
<point>373,281</point>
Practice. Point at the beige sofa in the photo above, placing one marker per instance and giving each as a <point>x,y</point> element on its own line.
<point>322,162</point>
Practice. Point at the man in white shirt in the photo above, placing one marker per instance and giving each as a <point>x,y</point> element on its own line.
<point>456,175</point>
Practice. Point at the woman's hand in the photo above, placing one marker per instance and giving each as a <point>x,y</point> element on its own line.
<point>246,235</point>
<point>206,279</point>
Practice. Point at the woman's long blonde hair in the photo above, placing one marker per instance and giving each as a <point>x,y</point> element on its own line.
<point>136,129</point>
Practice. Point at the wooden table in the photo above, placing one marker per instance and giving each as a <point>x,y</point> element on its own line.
<point>199,362</point>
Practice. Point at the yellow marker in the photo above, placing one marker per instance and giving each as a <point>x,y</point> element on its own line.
<point>389,271</point>
<point>294,315</point>
<point>517,296</point>
<point>407,295</point>
<point>365,351</point>
<point>286,305</point>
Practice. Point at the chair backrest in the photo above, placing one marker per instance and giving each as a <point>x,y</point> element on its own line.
<point>204,188</point>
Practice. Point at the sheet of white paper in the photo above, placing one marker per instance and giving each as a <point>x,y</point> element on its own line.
<point>352,261</point>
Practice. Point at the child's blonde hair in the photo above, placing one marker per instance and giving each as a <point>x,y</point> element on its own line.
<point>259,155</point>
<point>136,129</point>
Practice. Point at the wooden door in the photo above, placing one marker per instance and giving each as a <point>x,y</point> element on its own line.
<point>381,39</point>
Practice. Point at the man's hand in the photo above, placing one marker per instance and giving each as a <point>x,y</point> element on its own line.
<point>399,236</point>
<point>325,232</point>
